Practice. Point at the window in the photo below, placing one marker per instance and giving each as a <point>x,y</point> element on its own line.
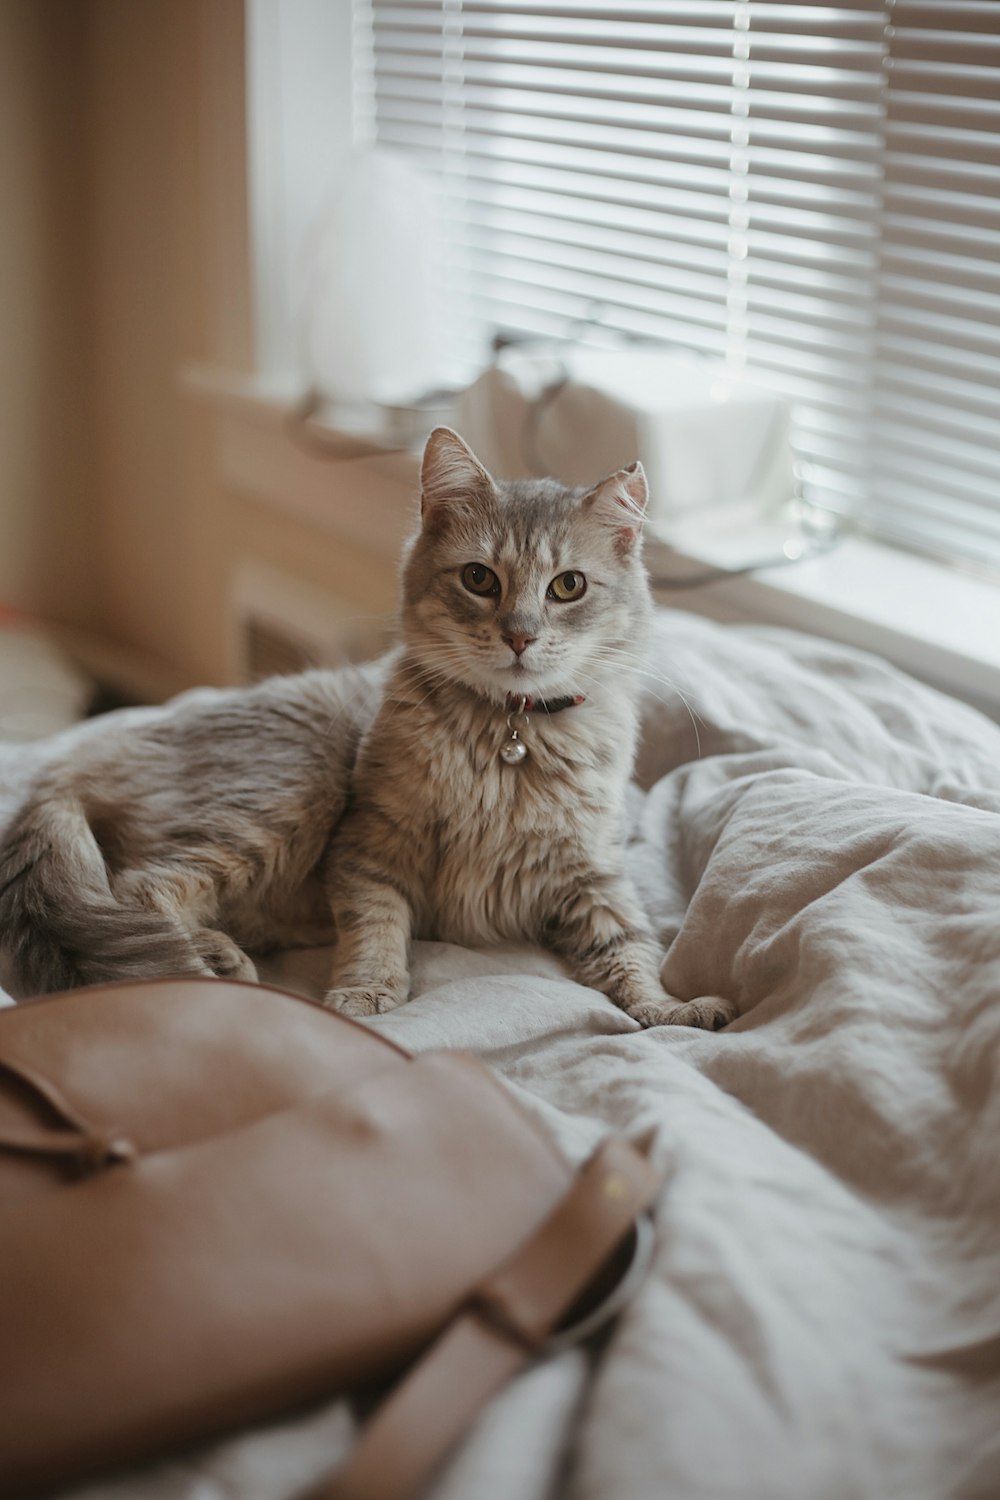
<point>808,191</point>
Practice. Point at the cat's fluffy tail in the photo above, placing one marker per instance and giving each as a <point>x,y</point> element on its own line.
<point>60,924</point>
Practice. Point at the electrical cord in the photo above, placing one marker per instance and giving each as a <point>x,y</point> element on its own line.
<point>812,548</point>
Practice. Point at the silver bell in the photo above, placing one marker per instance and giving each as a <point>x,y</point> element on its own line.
<point>513,752</point>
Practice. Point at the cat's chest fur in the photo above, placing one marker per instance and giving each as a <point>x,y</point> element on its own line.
<point>485,847</point>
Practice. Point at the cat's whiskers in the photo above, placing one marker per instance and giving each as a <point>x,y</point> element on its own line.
<point>459,659</point>
<point>640,662</point>
<point>640,667</point>
<point>685,690</point>
<point>663,680</point>
<point>450,668</point>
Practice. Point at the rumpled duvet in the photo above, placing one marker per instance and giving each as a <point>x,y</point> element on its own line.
<point>819,838</point>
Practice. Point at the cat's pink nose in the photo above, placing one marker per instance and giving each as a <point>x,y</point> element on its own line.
<point>519,643</point>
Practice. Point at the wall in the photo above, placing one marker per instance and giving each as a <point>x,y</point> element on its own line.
<point>50,552</point>
<point>171,278</point>
<point>124,256</point>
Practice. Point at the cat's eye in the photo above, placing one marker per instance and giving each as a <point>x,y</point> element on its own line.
<point>479,579</point>
<point>567,586</point>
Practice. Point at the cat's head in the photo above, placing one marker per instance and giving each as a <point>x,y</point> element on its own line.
<point>523,586</point>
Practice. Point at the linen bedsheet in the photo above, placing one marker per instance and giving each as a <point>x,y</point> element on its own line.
<point>818,837</point>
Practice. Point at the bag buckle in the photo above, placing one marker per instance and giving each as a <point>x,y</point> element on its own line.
<point>590,1319</point>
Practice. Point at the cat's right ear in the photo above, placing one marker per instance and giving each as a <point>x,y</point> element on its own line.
<point>451,477</point>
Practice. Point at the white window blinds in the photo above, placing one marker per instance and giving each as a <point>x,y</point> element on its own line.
<point>935,471</point>
<point>808,191</point>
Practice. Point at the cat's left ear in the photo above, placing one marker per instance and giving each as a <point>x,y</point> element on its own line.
<point>451,477</point>
<point>620,504</point>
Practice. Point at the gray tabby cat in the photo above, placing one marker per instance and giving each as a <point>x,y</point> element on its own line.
<point>476,796</point>
<point>489,796</point>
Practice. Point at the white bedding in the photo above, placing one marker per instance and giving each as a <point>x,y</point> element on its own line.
<point>821,840</point>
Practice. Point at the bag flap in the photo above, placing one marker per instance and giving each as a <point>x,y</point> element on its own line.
<point>309,1251</point>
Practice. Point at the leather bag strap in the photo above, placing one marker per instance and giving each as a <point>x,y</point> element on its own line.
<point>87,1145</point>
<point>504,1324</point>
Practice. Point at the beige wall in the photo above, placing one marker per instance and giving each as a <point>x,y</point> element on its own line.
<point>171,284</point>
<point>124,256</point>
<point>49,544</point>
<point>144,291</point>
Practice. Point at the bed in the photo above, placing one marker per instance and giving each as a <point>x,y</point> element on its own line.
<point>818,837</point>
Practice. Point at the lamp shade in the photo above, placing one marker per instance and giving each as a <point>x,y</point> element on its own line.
<point>372,315</point>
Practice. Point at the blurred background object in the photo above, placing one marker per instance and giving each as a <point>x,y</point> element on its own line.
<point>372,317</point>
<point>707,437</point>
<point>217,366</point>
<point>41,689</point>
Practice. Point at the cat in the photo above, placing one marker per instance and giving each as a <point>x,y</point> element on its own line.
<point>488,801</point>
<point>469,788</point>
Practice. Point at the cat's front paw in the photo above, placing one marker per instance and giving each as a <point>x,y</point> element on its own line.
<point>361,1000</point>
<point>709,1013</point>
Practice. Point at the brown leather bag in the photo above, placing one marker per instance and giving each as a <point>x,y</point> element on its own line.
<point>218,1201</point>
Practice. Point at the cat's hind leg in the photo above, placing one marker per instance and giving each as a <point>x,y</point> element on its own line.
<point>224,958</point>
<point>186,900</point>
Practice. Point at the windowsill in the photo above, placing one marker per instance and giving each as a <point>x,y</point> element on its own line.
<point>928,619</point>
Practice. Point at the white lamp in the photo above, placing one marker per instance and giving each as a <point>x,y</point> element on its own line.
<point>372,316</point>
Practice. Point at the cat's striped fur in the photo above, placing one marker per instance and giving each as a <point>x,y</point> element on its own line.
<point>444,839</point>
<point>173,845</point>
<point>170,841</point>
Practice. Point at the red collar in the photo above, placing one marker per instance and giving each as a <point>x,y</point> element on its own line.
<point>522,703</point>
